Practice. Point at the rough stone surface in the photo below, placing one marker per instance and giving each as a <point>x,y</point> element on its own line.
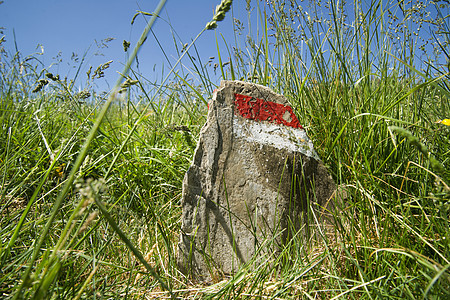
<point>252,178</point>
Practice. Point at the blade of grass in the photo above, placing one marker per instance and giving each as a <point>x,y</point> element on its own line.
<point>130,245</point>
<point>83,153</point>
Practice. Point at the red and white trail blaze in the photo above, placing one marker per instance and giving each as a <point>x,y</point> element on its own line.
<point>262,110</point>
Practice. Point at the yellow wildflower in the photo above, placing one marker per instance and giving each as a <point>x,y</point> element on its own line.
<point>444,121</point>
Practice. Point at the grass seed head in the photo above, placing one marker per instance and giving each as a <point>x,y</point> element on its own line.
<point>40,85</point>
<point>92,216</point>
<point>219,13</point>
<point>52,77</point>
<point>126,45</point>
<point>84,94</point>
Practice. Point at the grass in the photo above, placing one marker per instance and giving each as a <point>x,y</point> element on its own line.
<point>99,217</point>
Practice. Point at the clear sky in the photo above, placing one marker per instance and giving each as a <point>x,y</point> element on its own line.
<point>63,29</point>
<point>73,27</point>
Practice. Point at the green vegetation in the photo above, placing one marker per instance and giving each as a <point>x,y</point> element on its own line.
<point>90,185</point>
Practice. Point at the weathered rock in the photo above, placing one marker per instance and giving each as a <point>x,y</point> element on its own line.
<point>249,187</point>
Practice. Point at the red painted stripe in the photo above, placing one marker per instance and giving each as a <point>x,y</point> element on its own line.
<point>261,110</point>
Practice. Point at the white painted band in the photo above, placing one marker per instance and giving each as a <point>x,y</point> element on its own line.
<point>278,136</point>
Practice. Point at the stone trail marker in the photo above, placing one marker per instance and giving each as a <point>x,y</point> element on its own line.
<point>253,178</point>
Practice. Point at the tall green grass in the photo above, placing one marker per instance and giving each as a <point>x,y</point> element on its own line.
<point>363,97</point>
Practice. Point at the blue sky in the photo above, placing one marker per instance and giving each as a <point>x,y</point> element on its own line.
<point>73,27</point>
<point>55,30</point>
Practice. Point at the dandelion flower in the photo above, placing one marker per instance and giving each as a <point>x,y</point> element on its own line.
<point>444,121</point>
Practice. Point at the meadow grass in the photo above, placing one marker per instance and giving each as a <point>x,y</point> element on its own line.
<point>90,195</point>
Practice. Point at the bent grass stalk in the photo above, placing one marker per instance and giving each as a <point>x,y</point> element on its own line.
<point>83,153</point>
<point>32,200</point>
<point>220,12</point>
<point>221,9</point>
<point>130,245</point>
